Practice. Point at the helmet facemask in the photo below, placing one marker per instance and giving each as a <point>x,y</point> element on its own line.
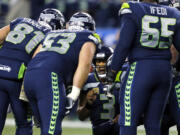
<point>100,62</point>
<point>100,68</point>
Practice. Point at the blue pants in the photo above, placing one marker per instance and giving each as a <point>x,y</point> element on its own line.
<point>46,93</point>
<point>144,91</point>
<point>106,128</point>
<point>174,100</point>
<point>172,112</point>
<point>9,94</point>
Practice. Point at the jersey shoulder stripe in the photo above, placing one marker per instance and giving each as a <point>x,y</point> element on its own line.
<point>125,9</point>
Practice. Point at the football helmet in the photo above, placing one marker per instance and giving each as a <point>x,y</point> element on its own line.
<point>172,3</point>
<point>53,18</point>
<point>176,3</point>
<point>81,21</point>
<point>162,2</point>
<point>100,62</point>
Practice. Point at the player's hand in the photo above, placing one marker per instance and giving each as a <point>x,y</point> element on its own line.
<point>110,76</point>
<point>36,122</point>
<point>91,97</point>
<point>69,105</point>
<point>115,120</point>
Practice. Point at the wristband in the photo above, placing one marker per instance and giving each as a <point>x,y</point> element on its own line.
<point>74,93</point>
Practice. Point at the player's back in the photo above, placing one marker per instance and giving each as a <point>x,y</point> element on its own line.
<point>155,27</point>
<point>17,49</point>
<point>61,50</point>
<point>24,36</point>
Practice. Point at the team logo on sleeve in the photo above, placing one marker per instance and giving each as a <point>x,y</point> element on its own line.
<point>93,38</point>
<point>125,9</point>
<point>5,68</point>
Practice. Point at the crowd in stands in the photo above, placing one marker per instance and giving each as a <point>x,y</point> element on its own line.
<point>105,12</point>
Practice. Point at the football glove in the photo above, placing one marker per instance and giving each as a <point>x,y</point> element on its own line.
<point>71,98</point>
<point>69,105</point>
<point>111,76</point>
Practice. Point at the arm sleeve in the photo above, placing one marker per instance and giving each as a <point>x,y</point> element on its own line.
<point>127,33</point>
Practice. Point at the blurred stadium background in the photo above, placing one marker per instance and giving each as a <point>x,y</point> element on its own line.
<point>105,13</point>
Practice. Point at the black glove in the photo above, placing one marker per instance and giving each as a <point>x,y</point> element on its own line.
<point>36,122</point>
<point>68,89</point>
<point>69,105</point>
<point>177,64</point>
<point>111,76</point>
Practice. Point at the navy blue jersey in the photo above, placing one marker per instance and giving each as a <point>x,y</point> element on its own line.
<point>104,108</point>
<point>17,50</point>
<point>146,32</point>
<point>60,52</point>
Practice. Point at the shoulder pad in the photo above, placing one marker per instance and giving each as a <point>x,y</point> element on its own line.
<point>17,20</point>
<point>125,9</point>
<point>91,85</point>
<point>95,37</point>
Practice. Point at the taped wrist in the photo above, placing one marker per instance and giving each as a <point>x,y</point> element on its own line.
<point>74,93</point>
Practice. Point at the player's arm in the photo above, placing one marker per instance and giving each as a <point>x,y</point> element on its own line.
<point>115,120</point>
<point>126,37</point>
<point>3,33</point>
<point>85,104</point>
<point>176,43</point>
<point>117,104</point>
<point>176,39</point>
<point>174,54</point>
<point>82,111</point>
<point>127,32</point>
<point>37,50</point>
<point>82,71</point>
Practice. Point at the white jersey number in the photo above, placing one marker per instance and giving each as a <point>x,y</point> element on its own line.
<point>150,37</point>
<point>63,42</point>
<point>18,35</point>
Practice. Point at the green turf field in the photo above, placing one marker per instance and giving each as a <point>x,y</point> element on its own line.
<point>9,130</point>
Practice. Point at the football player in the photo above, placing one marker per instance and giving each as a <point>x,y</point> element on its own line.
<point>19,41</point>
<point>147,30</point>
<point>171,115</point>
<point>63,59</point>
<point>96,101</point>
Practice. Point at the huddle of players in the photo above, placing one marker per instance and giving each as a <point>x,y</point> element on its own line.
<point>58,54</point>
<point>96,97</point>
<point>61,58</point>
